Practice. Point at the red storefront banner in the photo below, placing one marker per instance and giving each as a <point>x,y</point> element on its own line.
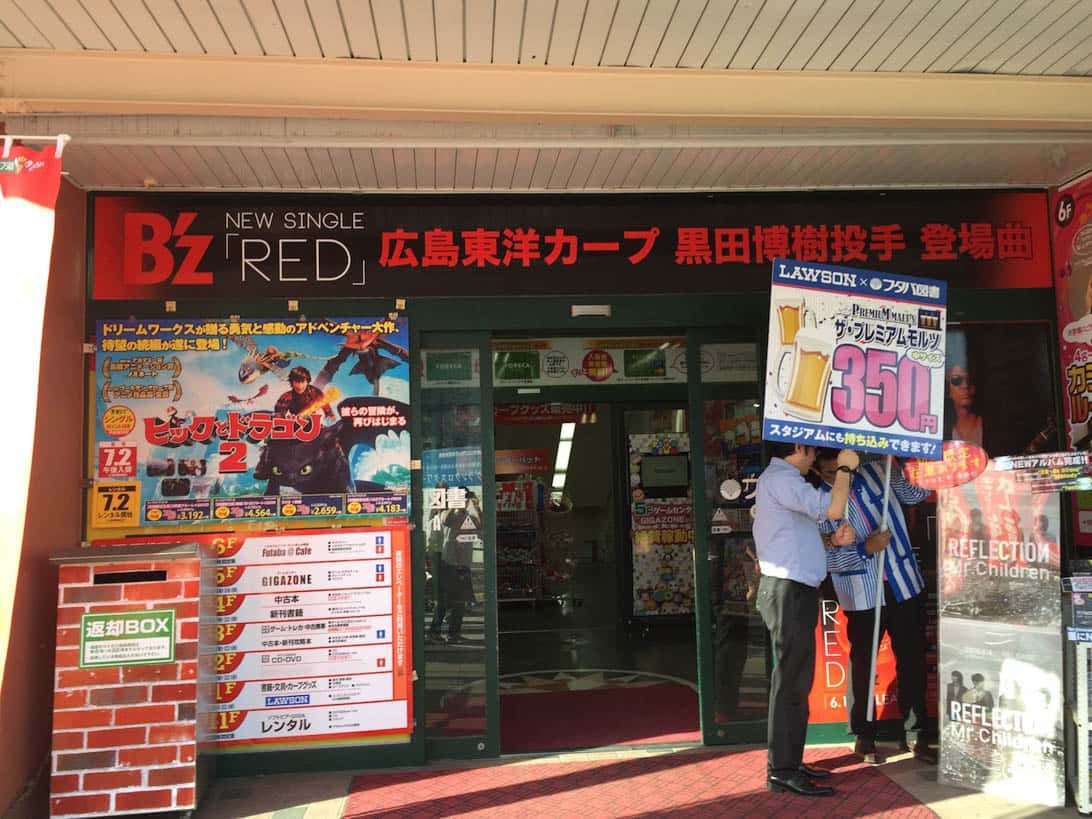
<point>1071,217</point>
<point>189,246</point>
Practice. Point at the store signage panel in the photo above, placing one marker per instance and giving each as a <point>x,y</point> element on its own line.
<point>214,420</point>
<point>240,247</point>
<point>856,360</point>
<point>306,638</point>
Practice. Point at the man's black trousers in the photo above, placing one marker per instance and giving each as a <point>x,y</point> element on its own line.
<point>790,611</point>
<point>905,622</point>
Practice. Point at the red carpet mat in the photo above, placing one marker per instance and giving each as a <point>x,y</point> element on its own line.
<point>563,720</point>
<point>699,783</point>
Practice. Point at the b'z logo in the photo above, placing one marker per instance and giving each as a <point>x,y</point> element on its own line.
<point>149,236</point>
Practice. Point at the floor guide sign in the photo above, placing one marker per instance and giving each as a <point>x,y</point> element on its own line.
<point>308,640</point>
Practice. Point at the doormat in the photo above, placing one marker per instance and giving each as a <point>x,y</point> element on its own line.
<point>701,782</point>
<point>566,710</point>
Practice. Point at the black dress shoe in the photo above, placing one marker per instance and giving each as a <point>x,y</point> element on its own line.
<point>798,784</point>
<point>814,773</point>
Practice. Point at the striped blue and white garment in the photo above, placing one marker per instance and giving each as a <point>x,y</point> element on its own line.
<point>851,568</point>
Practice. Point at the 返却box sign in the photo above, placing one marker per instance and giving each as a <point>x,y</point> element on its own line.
<point>855,359</point>
<point>127,638</point>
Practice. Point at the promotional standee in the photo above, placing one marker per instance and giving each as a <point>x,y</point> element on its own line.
<point>1000,647</point>
<point>218,421</point>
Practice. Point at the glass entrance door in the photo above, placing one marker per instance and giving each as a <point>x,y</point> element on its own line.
<point>595,574</point>
<point>455,564</point>
<point>733,645</point>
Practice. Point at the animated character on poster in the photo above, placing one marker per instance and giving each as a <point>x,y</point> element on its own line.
<point>327,437</point>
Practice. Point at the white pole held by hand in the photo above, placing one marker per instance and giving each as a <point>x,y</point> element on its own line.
<point>879,595</point>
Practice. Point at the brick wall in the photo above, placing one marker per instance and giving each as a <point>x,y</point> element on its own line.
<point>124,738</point>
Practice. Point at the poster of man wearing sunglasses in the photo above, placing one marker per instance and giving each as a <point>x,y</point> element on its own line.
<point>998,391</point>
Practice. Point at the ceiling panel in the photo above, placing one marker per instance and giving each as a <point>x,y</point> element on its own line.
<point>206,26</point>
<point>678,32</point>
<point>45,19</point>
<point>1072,30</point>
<point>233,19</point>
<point>175,26</point>
<point>544,168</point>
<point>1030,37</point>
<point>76,19</point>
<point>390,28</point>
<point>598,16</point>
<point>563,168</point>
<point>405,168</point>
<point>295,18</point>
<point>18,24</point>
<point>579,169</point>
<point>485,168</point>
<point>964,16</point>
<point>444,163</point>
<point>508,30</point>
<point>777,25</point>
<point>478,15</point>
<point>739,22</point>
<point>420,29</point>
<point>537,29</point>
<point>650,32</point>
<point>466,161</point>
<point>565,31</point>
<point>623,29</point>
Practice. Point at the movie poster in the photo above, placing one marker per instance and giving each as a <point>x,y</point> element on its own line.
<point>211,420</point>
<point>1000,644</point>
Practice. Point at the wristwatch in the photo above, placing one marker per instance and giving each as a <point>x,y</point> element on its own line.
<point>844,468</point>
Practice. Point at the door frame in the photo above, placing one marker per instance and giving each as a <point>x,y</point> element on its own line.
<point>738,732</point>
<point>479,745</point>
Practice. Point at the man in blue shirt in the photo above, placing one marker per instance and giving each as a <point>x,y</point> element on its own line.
<point>793,562</point>
<point>853,565</point>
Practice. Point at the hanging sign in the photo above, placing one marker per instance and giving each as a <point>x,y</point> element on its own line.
<point>855,359</point>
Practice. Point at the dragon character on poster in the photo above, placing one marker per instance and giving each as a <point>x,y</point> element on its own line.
<point>210,420</point>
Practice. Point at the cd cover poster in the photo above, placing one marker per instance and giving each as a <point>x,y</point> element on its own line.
<point>1000,669</point>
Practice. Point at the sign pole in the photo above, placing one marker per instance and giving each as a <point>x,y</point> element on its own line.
<point>879,595</point>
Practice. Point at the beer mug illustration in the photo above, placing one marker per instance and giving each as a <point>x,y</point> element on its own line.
<point>806,394</point>
<point>793,315</point>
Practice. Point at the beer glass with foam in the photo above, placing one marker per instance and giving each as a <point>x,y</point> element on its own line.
<point>806,395</point>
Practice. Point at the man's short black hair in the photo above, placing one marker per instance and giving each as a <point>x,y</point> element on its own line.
<point>826,453</point>
<point>299,374</point>
<point>977,678</point>
<point>780,449</point>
